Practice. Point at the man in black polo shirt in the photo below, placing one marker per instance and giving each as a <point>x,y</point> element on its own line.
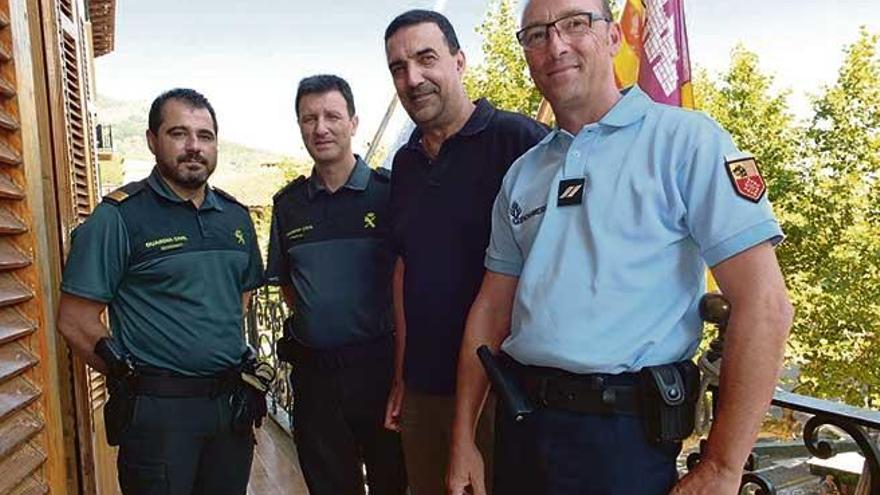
<point>444,184</point>
<point>331,253</point>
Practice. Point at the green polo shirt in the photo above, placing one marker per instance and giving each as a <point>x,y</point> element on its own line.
<point>172,275</point>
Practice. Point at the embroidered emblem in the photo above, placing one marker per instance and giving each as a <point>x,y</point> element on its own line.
<point>167,243</point>
<point>370,220</point>
<point>299,232</point>
<point>516,213</point>
<point>746,178</point>
<point>239,236</point>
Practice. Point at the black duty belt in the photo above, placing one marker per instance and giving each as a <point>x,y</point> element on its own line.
<point>163,383</point>
<point>348,356</point>
<point>593,393</point>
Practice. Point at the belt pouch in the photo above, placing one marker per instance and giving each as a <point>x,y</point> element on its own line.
<point>669,394</point>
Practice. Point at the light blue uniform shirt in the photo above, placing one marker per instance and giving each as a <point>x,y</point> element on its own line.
<point>612,284</point>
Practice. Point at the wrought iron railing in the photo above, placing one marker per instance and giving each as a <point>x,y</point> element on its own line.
<point>264,326</point>
<point>856,422</point>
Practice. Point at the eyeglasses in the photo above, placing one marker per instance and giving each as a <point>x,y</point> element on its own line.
<point>567,27</point>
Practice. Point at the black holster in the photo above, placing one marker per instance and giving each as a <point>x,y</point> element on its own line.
<point>669,395</point>
<point>285,347</point>
<point>119,410</point>
<point>121,376</point>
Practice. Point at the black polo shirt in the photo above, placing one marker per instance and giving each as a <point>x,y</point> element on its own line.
<point>442,218</point>
<point>336,252</point>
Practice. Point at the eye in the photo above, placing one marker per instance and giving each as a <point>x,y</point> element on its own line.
<point>535,35</point>
<point>427,59</point>
<point>576,23</point>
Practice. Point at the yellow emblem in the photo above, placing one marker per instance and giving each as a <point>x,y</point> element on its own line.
<point>239,236</point>
<point>370,220</point>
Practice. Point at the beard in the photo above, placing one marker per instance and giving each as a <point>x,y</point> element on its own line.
<point>190,171</point>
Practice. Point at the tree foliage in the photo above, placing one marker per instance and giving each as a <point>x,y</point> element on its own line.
<point>503,76</point>
<point>823,176</point>
<point>833,252</point>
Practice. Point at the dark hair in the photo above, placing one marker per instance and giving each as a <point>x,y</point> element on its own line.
<point>324,83</point>
<point>189,96</point>
<point>417,16</point>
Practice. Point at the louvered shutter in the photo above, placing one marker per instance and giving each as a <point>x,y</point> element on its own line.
<point>23,448</point>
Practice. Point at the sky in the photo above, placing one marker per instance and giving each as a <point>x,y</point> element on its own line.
<point>247,57</point>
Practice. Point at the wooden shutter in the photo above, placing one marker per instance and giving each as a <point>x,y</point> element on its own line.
<point>77,193</point>
<point>23,444</point>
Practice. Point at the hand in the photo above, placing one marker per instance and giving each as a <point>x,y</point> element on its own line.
<point>466,472</point>
<point>709,478</point>
<point>392,409</point>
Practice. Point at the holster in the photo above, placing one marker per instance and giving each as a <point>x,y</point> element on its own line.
<point>285,346</point>
<point>119,410</point>
<point>248,398</point>
<point>669,395</point>
<point>121,377</point>
<point>505,385</point>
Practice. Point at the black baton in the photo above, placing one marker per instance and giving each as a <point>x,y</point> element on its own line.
<point>505,385</point>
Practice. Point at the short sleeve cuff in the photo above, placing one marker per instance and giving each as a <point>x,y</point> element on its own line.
<point>86,294</point>
<point>502,266</point>
<point>768,230</point>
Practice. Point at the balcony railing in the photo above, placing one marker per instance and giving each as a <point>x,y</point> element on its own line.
<point>264,326</point>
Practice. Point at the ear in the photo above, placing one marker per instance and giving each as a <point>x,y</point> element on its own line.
<point>354,125</point>
<point>615,37</point>
<point>151,141</point>
<point>460,61</point>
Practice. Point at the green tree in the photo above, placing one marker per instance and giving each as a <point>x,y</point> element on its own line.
<point>503,76</point>
<point>824,185</point>
<point>834,265</point>
<point>758,120</point>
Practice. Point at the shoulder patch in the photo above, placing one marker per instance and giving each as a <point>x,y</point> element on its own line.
<point>225,195</point>
<point>745,177</point>
<point>290,185</point>
<point>125,192</point>
<point>383,174</point>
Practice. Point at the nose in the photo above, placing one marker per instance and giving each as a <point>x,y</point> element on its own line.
<point>414,77</point>
<point>321,126</point>
<point>556,46</point>
<point>192,143</point>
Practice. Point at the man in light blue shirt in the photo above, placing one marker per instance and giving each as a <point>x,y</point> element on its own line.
<point>600,238</point>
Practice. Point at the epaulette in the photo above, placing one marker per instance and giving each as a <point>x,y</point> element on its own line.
<point>383,174</point>
<point>225,195</point>
<point>290,185</point>
<point>125,192</point>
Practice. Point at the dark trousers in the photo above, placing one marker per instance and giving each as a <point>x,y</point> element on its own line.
<point>554,452</point>
<point>338,417</point>
<point>183,446</point>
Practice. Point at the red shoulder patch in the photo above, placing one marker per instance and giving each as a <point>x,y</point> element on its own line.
<point>746,178</point>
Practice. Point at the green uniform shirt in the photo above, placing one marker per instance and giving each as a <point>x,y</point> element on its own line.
<point>172,275</point>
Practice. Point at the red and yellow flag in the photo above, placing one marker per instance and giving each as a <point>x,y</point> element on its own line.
<point>654,51</point>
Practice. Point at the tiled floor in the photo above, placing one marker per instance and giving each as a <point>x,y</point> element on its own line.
<point>275,470</point>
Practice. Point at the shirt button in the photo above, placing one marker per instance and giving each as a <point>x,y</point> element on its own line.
<point>576,154</point>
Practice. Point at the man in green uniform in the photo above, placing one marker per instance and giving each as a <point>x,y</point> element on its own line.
<point>174,260</point>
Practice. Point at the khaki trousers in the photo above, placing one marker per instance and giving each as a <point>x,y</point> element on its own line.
<point>426,425</point>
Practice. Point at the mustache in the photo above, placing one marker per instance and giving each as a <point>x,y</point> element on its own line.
<point>192,157</point>
<point>422,90</point>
